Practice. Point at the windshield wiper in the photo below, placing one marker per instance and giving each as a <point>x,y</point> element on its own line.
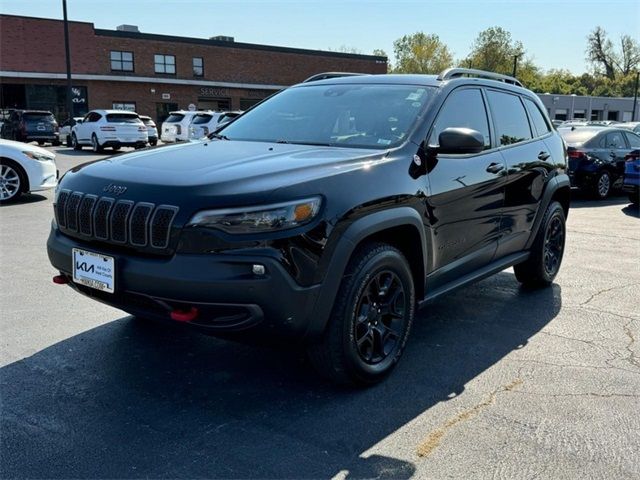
<point>315,144</point>
<point>219,136</point>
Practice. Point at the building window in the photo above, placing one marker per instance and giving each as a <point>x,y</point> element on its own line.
<point>121,61</point>
<point>165,64</point>
<point>626,116</point>
<point>579,114</point>
<point>130,106</point>
<point>198,67</point>
<point>561,114</point>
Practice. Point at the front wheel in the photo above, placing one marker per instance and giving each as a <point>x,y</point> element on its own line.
<point>68,141</point>
<point>371,318</point>
<point>10,182</point>
<point>74,142</point>
<point>546,253</point>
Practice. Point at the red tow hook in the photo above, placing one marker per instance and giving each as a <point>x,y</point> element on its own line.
<point>184,315</point>
<point>60,279</point>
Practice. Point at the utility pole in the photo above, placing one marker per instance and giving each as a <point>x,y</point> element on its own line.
<point>68,55</point>
<point>635,98</point>
<point>515,64</point>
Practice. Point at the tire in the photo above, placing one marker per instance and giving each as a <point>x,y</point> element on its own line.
<point>153,143</point>
<point>56,143</point>
<point>602,185</point>
<point>95,145</point>
<point>634,198</point>
<point>350,351</point>
<point>12,181</point>
<point>68,142</point>
<point>74,142</point>
<point>40,142</point>
<point>115,148</point>
<point>547,250</point>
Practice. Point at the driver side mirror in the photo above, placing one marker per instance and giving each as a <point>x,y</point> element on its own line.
<point>460,141</point>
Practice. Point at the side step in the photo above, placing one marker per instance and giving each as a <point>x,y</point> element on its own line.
<point>476,276</point>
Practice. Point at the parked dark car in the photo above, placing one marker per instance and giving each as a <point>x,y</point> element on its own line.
<point>597,157</point>
<point>324,216</point>
<point>31,125</point>
<point>631,182</point>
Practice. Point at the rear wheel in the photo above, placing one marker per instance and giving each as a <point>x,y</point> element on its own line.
<point>634,198</point>
<point>371,318</point>
<point>547,250</point>
<point>11,181</point>
<point>74,142</point>
<point>95,145</point>
<point>115,148</point>
<point>602,186</point>
<point>40,142</point>
<point>68,142</point>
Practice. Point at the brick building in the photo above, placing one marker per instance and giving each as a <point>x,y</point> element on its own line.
<point>151,74</point>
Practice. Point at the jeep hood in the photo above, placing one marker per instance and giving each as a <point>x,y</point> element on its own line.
<point>218,168</point>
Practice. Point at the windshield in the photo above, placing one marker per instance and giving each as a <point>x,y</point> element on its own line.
<point>39,117</point>
<point>122,118</point>
<point>174,118</point>
<point>201,118</point>
<point>349,115</point>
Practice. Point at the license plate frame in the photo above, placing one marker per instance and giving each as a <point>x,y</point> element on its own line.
<point>94,270</point>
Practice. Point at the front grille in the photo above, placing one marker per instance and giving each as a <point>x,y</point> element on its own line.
<point>121,222</point>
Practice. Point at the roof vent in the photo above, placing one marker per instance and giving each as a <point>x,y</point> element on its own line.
<point>128,28</point>
<point>222,38</point>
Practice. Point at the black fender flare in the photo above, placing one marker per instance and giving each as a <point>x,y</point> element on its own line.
<point>554,184</point>
<point>358,231</point>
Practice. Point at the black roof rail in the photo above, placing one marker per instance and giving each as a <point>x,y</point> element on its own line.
<point>459,72</point>
<point>325,75</point>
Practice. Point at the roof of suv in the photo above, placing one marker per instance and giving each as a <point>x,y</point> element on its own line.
<point>446,77</point>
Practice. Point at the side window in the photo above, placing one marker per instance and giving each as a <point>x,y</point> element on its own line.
<point>463,108</point>
<point>539,123</point>
<point>633,139</point>
<point>87,117</point>
<point>615,140</point>
<point>509,117</point>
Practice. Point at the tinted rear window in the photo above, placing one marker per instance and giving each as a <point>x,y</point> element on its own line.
<point>122,118</point>
<point>38,117</point>
<point>200,118</point>
<point>537,118</point>
<point>174,118</point>
<point>147,121</point>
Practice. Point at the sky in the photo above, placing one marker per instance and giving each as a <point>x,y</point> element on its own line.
<point>553,32</point>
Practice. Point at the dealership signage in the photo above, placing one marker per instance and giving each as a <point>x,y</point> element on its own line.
<point>214,92</point>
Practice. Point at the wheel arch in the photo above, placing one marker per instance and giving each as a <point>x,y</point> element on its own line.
<point>400,227</point>
<point>558,188</point>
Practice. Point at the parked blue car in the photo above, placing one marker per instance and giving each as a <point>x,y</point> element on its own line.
<point>631,182</point>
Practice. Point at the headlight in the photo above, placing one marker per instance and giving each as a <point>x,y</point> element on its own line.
<point>41,157</point>
<point>267,218</point>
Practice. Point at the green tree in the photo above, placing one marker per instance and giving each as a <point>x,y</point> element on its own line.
<point>494,50</point>
<point>421,53</point>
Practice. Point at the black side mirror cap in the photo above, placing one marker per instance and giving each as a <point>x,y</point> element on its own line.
<point>457,140</point>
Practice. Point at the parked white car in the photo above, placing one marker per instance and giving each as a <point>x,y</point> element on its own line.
<point>152,131</point>
<point>65,130</point>
<point>25,168</point>
<point>206,122</point>
<point>109,128</point>
<point>176,127</point>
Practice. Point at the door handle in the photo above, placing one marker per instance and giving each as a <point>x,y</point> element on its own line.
<point>495,167</point>
<point>543,156</point>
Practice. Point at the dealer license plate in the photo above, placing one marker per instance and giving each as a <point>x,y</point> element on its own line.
<point>94,270</point>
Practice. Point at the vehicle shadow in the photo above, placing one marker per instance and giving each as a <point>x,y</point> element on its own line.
<point>133,399</point>
<point>86,151</point>
<point>632,210</point>
<point>583,200</point>
<point>25,199</point>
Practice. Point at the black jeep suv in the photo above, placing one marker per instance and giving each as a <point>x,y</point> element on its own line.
<point>325,215</point>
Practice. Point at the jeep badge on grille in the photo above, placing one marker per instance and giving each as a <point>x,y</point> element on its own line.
<point>114,189</point>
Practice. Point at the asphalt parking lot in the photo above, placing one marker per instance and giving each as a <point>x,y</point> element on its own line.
<point>496,381</point>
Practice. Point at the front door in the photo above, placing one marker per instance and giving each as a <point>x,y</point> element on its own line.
<point>466,193</point>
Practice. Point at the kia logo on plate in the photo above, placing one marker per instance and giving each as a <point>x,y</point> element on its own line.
<point>114,189</point>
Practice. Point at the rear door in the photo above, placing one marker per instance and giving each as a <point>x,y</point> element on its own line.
<point>86,128</point>
<point>466,192</point>
<point>526,156</point>
<point>616,150</point>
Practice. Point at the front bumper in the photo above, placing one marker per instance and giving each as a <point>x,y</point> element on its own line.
<point>230,299</point>
<point>43,137</point>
